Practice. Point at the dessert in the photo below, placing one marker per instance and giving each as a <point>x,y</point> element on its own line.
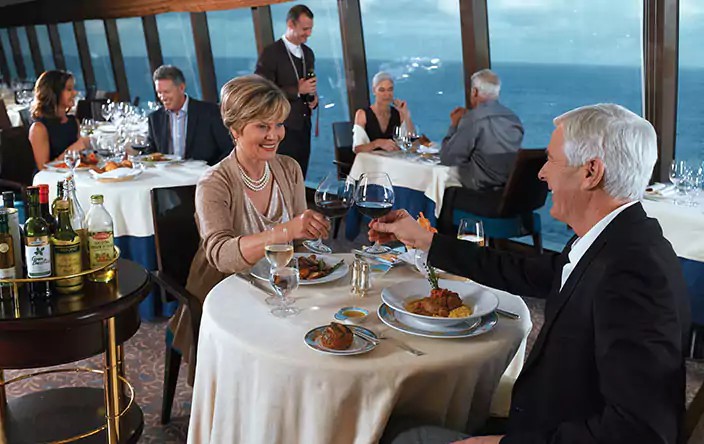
<point>336,336</point>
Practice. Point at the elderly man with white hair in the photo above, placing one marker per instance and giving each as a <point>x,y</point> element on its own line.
<point>482,142</point>
<point>607,366</point>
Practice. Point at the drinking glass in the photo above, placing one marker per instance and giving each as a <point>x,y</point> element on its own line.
<point>106,110</point>
<point>677,172</point>
<point>72,159</point>
<point>374,197</point>
<point>333,197</point>
<point>284,280</point>
<point>399,137</point>
<point>471,230</point>
<point>278,250</point>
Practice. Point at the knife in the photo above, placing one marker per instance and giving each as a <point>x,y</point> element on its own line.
<point>508,314</point>
<point>259,285</point>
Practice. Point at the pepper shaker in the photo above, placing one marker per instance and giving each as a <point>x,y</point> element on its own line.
<point>361,277</point>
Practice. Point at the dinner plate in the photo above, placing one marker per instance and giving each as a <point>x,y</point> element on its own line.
<point>117,175</point>
<point>394,320</point>
<point>166,159</point>
<point>358,347</point>
<point>261,269</point>
<point>52,166</point>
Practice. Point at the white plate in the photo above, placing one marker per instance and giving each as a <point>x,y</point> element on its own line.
<point>479,299</point>
<point>52,166</point>
<point>261,269</point>
<point>166,159</point>
<point>106,128</point>
<point>391,318</point>
<point>359,345</point>
<point>117,175</point>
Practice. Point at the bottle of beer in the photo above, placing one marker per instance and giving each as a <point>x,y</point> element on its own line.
<point>44,207</point>
<point>7,250</point>
<point>101,245</point>
<point>59,196</point>
<point>67,252</point>
<point>37,249</point>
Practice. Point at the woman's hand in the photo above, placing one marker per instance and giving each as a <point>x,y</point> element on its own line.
<point>308,225</point>
<point>399,225</point>
<point>84,142</point>
<point>386,144</point>
<point>402,107</point>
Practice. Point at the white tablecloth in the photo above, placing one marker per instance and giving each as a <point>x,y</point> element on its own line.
<point>13,112</point>
<point>407,172</point>
<point>257,382</point>
<point>129,202</point>
<point>683,226</point>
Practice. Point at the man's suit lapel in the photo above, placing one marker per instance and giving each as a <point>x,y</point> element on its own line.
<point>191,125</point>
<point>165,131</point>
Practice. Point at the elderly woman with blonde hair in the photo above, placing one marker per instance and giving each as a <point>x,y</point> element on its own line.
<point>374,126</point>
<point>250,195</point>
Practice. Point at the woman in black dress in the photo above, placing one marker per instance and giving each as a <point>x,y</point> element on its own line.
<point>53,131</point>
<point>374,126</point>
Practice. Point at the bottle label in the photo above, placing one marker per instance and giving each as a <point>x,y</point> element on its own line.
<point>67,257</point>
<point>4,248</point>
<point>7,273</point>
<point>38,256</point>
<point>101,248</point>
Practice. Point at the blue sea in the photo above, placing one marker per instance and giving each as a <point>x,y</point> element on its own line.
<point>536,92</point>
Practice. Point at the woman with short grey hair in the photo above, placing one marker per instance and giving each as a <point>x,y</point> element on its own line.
<point>374,126</point>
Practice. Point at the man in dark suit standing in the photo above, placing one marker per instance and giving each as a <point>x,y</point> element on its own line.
<point>290,64</point>
<point>607,366</point>
<point>185,126</point>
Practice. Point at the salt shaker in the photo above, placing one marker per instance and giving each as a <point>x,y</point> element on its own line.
<point>361,277</point>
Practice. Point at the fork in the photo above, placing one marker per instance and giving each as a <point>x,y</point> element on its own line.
<point>401,345</point>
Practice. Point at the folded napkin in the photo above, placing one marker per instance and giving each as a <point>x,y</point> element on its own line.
<point>116,173</point>
<point>434,148</point>
<point>661,190</point>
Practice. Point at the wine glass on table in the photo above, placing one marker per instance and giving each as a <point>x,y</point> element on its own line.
<point>278,250</point>
<point>72,159</point>
<point>140,144</point>
<point>375,198</point>
<point>284,280</point>
<point>333,197</point>
<point>471,230</point>
<point>399,137</point>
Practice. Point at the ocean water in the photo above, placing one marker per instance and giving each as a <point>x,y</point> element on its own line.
<point>536,92</point>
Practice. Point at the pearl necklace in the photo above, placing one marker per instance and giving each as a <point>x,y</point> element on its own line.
<point>256,184</point>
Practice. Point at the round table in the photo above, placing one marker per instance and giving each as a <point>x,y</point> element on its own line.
<point>39,332</point>
<point>257,381</point>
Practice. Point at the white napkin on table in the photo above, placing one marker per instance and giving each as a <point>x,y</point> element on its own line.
<point>116,173</point>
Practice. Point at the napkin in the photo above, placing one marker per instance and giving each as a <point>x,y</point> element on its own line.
<point>434,148</point>
<point>661,190</point>
<point>116,173</point>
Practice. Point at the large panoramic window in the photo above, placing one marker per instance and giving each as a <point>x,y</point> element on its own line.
<point>326,43</point>
<point>45,46</point>
<point>134,54</point>
<point>419,43</point>
<point>73,60</point>
<point>7,49</point>
<point>690,117</point>
<point>100,55</point>
<point>26,54</point>
<point>177,47</point>
<point>233,43</point>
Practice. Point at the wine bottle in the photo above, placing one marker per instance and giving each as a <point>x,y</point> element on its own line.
<point>59,196</point>
<point>101,244</point>
<point>7,250</point>
<point>67,252</point>
<point>8,199</point>
<point>44,207</point>
<point>36,240</point>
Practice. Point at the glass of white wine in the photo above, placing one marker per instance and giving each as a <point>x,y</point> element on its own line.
<point>471,230</point>
<point>72,159</point>
<point>278,250</point>
<point>284,280</point>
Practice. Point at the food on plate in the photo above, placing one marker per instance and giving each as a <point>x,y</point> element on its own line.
<point>109,166</point>
<point>155,157</point>
<point>126,164</point>
<point>312,267</point>
<point>90,159</point>
<point>423,140</point>
<point>441,303</point>
<point>336,336</point>
<point>425,223</point>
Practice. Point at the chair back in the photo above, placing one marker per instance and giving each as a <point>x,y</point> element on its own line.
<point>524,192</point>
<point>90,109</point>
<point>175,232</point>
<point>26,116</point>
<point>693,417</point>
<point>4,117</point>
<point>16,156</point>
<point>344,156</point>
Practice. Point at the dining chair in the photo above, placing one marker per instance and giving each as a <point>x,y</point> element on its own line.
<point>17,164</point>
<point>26,116</point>
<point>176,238</point>
<point>344,157</point>
<point>505,212</point>
<point>5,122</point>
<point>90,109</point>
<point>693,417</point>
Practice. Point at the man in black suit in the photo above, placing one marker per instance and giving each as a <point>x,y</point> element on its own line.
<point>185,126</point>
<point>607,366</point>
<point>290,64</point>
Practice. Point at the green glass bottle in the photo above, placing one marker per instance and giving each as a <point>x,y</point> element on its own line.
<point>66,244</point>
<point>7,253</point>
<point>59,196</point>
<point>37,249</point>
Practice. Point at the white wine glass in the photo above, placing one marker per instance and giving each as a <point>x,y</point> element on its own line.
<point>72,159</point>
<point>471,230</point>
<point>278,250</point>
<point>399,137</point>
<point>284,280</point>
<point>333,197</point>
<point>374,197</point>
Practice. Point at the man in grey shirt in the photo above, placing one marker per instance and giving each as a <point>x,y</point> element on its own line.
<point>482,141</point>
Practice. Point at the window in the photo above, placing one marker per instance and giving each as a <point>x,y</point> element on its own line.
<point>690,123</point>
<point>326,42</point>
<point>100,55</point>
<point>45,47</point>
<point>233,43</point>
<point>73,61</point>
<point>134,54</point>
<point>178,49</point>
<point>26,54</point>
<point>7,49</point>
<point>419,43</point>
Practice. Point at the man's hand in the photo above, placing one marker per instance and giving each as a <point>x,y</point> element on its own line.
<point>456,115</point>
<point>307,86</point>
<point>314,103</point>
<point>399,225</point>
<point>494,439</point>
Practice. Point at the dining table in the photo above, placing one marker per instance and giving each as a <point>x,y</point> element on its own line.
<point>257,380</point>
<point>129,204</point>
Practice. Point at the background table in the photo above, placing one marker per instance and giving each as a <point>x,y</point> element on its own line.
<point>129,204</point>
<point>13,112</point>
<point>418,184</point>
<point>257,382</point>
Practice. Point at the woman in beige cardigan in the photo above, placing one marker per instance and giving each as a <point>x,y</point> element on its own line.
<point>251,191</point>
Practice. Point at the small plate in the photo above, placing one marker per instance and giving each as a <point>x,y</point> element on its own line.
<point>389,317</point>
<point>261,269</point>
<point>352,315</point>
<point>54,166</point>
<point>358,347</point>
